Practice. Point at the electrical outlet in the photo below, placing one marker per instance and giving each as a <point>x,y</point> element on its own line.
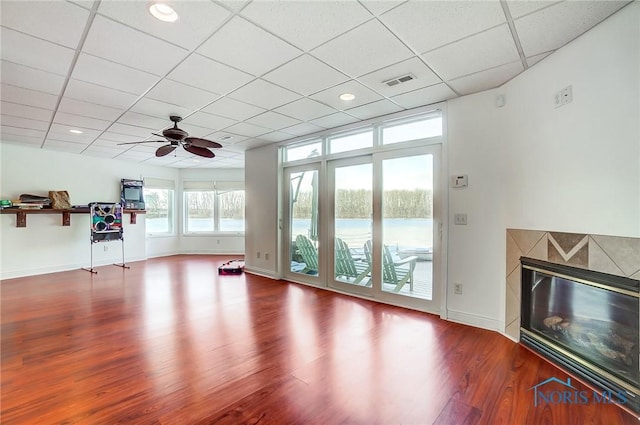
<point>105,248</point>
<point>266,256</point>
<point>258,254</point>
<point>457,288</point>
<point>563,97</point>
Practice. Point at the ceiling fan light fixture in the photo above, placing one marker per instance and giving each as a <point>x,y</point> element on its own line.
<point>163,12</point>
<point>74,131</point>
<point>347,96</point>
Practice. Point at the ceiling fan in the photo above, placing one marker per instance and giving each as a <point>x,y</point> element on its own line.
<point>177,137</point>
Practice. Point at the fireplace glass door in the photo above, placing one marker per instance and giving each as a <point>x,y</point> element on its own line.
<point>595,323</point>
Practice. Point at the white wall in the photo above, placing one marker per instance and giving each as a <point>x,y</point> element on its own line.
<point>209,244</point>
<point>530,165</point>
<point>45,245</point>
<point>261,188</point>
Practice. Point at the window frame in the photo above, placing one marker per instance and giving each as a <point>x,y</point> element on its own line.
<point>169,186</point>
<point>215,188</point>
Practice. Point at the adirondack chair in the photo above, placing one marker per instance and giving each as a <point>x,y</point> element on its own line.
<point>348,267</point>
<point>308,253</point>
<point>395,272</point>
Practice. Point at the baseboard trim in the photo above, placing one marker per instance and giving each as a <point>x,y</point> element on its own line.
<point>261,272</point>
<point>210,252</point>
<point>62,268</point>
<point>475,320</point>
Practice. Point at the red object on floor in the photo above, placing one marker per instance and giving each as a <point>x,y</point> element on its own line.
<point>232,267</point>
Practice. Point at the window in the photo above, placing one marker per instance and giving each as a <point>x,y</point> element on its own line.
<point>159,204</point>
<point>407,131</point>
<point>214,207</point>
<point>351,142</point>
<point>307,150</point>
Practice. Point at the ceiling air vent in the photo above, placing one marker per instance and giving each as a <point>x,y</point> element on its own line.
<point>399,80</point>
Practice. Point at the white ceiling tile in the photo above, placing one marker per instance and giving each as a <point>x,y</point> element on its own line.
<point>276,136</point>
<point>87,109</point>
<point>222,137</point>
<point>273,120</point>
<point>112,143</point>
<point>485,50</point>
<point>28,97</point>
<point>100,95</point>
<point>78,121</point>
<point>207,120</point>
<point>119,43</point>
<point>252,144</point>
<point>302,129</point>
<point>22,140</point>
<point>30,78</point>
<point>195,130</point>
<point>307,24</point>
<point>264,94</point>
<point>210,75</point>
<point>197,20</point>
<point>305,109</point>
<point>425,96</point>
<point>532,60</point>
<point>555,26</point>
<point>142,120</point>
<point>159,109</point>
<point>69,137</point>
<point>59,145</point>
<point>334,120</point>
<point>131,130</point>
<point>6,130</point>
<point>125,138</point>
<point>8,120</point>
<point>101,152</point>
<point>331,96</point>
<point>234,5</point>
<point>132,155</point>
<point>425,25</point>
<point>248,130</point>
<point>63,129</point>
<point>30,51</point>
<point>108,74</point>
<point>518,8</point>
<point>363,50</point>
<point>180,94</point>
<point>378,7</point>
<point>234,109</point>
<point>306,75</point>
<point>24,111</point>
<point>247,47</point>
<point>375,109</point>
<point>69,20</point>
<point>488,79</point>
<point>423,77</point>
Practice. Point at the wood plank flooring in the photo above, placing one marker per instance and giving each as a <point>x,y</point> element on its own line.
<point>171,342</point>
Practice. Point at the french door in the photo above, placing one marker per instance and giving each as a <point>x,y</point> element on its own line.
<point>384,214</point>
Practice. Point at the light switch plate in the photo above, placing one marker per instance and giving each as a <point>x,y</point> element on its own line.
<point>460,219</point>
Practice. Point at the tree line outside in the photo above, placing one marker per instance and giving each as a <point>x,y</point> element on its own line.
<point>199,204</point>
<point>356,203</point>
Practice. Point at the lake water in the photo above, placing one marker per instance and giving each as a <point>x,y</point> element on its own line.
<point>404,232</point>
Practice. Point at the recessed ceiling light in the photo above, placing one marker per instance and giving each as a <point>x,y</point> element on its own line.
<point>75,131</point>
<point>347,96</point>
<point>196,160</point>
<point>163,12</point>
<point>223,138</point>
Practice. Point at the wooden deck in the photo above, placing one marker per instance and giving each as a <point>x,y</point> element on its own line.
<point>171,342</point>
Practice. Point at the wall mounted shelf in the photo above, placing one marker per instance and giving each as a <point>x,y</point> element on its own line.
<point>21,214</point>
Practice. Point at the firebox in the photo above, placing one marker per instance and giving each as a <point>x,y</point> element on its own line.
<point>585,321</point>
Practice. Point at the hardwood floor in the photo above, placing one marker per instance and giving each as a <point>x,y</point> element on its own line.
<point>171,342</point>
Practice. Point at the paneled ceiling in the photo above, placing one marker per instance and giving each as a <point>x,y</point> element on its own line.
<point>250,73</point>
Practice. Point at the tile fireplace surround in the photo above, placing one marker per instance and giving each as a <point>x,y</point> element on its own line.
<point>609,254</point>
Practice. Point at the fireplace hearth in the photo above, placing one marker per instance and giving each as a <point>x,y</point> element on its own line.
<point>585,321</point>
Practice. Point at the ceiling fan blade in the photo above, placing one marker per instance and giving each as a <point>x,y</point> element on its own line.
<point>165,150</point>
<point>202,143</point>
<point>145,141</point>
<point>199,151</point>
<point>156,134</point>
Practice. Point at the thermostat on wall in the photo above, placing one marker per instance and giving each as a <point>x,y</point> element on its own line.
<point>459,181</point>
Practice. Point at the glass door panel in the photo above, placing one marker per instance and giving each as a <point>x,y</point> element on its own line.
<point>407,226</point>
<point>352,216</point>
<point>303,222</point>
